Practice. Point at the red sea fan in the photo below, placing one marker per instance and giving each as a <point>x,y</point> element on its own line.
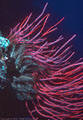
<point>58,82</point>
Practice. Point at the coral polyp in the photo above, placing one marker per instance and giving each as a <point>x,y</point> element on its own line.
<point>43,75</point>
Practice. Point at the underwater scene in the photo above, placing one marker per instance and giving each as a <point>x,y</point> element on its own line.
<point>41,60</point>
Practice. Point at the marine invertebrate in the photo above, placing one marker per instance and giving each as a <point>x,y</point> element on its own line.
<point>43,75</point>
